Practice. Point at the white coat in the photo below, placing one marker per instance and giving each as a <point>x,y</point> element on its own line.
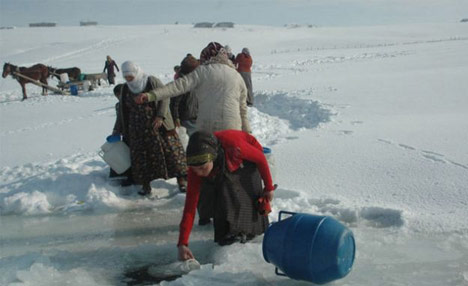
<point>221,95</point>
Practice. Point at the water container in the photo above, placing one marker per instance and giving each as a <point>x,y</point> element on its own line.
<point>74,90</point>
<point>116,153</point>
<point>64,77</point>
<point>311,248</point>
<point>271,162</point>
<point>86,85</point>
<point>184,138</point>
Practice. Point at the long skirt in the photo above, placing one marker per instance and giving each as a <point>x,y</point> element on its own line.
<point>233,198</point>
<point>248,82</point>
<point>174,154</point>
<point>154,155</point>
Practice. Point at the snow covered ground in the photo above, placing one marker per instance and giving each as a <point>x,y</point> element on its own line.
<point>367,124</point>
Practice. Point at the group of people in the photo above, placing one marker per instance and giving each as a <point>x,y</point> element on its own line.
<point>223,170</point>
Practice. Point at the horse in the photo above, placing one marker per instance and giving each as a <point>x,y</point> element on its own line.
<point>73,73</point>
<point>37,72</point>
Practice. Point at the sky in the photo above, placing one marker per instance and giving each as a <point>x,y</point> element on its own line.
<point>256,12</point>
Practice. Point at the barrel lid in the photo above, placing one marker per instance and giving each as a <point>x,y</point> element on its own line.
<point>346,252</point>
<point>113,138</point>
<point>266,150</point>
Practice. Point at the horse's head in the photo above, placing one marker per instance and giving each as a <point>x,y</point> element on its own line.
<point>6,70</point>
<point>51,70</point>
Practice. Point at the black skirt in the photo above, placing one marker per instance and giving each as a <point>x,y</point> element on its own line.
<point>231,199</point>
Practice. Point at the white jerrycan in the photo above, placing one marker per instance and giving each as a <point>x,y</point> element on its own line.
<point>117,155</point>
<point>64,77</point>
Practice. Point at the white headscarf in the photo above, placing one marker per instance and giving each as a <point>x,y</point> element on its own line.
<point>138,84</point>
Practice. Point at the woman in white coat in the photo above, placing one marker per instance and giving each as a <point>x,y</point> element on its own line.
<point>219,89</point>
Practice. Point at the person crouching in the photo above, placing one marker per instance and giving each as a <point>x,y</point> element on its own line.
<point>233,163</point>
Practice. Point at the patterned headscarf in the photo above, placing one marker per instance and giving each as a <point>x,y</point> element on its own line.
<point>210,51</point>
<point>140,79</point>
<point>188,64</point>
<point>202,147</point>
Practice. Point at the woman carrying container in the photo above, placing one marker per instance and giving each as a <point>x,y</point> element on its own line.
<point>232,162</point>
<point>155,149</point>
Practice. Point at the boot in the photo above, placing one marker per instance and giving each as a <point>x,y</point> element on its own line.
<point>146,190</point>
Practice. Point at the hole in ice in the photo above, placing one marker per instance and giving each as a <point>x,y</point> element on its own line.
<point>301,113</point>
<point>141,276</point>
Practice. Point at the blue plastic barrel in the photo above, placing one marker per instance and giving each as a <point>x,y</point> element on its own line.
<point>113,138</point>
<point>74,89</point>
<point>318,249</point>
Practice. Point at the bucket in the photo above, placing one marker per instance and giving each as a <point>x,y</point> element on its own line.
<point>271,162</point>
<point>74,90</point>
<point>64,77</point>
<point>86,85</point>
<point>311,248</point>
<point>116,153</point>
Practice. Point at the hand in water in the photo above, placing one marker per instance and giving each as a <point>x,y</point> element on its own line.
<point>185,253</point>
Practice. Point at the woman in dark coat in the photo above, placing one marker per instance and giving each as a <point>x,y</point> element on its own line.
<point>233,163</point>
<point>155,149</point>
<point>109,67</point>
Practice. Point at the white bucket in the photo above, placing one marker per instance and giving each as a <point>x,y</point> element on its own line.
<point>117,155</point>
<point>64,77</point>
<point>182,132</point>
<point>86,85</point>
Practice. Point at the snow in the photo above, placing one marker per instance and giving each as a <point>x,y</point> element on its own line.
<point>366,124</point>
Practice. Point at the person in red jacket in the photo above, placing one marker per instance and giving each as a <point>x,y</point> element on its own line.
<point>233,163</point>
<point>244,67</point>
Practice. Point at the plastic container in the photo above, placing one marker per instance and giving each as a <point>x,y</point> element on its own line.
<point>64,77</point>
<point>271,162</point>
<point>116,153</point>
<point>113,138</point>
<point>74,90</point>
<point>311,248</point>
<point>86,85</point>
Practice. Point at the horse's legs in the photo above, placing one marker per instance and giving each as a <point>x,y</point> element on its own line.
<point>44,90</point>
<point>23,87</point>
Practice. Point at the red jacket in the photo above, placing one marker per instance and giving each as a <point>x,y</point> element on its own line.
<point>244,62</point>
<point>238,146</point>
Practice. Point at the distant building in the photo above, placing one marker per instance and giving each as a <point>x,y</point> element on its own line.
<point>224,25</point>
<point>203,25</point>
<point>88,23</point>
<point>464,20</point>
<point>7,27</point>
<point>43,24</point>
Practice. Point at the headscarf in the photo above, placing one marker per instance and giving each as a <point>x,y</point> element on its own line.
<point>210,51</point>
<point>140,79</point>
<point>246,51</point>
<point>220,58</point>
<point>228,49</point>
<point>202,148</point>
<point>188,64</point>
